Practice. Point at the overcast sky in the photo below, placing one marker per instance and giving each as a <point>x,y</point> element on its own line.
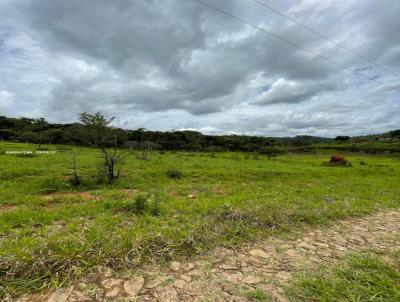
<point>176,64</point>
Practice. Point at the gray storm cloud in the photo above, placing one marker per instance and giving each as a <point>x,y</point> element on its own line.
<point>179,65</point>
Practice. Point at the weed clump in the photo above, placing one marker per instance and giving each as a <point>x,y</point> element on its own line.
<point>138,205</point>
<point>52,185</point>
<point>174,174</point>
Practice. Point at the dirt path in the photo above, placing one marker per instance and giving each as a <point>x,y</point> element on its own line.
<point>227,275</point>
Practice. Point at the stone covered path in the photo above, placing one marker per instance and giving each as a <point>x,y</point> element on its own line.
<point>228,274</point>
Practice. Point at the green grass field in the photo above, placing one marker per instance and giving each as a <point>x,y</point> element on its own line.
<point>362,276</point>
<point>52,232</point>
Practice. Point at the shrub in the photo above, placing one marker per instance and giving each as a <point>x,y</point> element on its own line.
<point>138,206</point>
<point>155,205</point>
<point>52,185</point>
<point>174,174</point>
<point>75,180</point>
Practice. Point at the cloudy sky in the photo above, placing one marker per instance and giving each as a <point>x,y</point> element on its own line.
<point>177,64</point>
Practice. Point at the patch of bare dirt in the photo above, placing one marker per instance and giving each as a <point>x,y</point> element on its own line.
<point>218,190</point>
<point>130,192</point>
<point>6,208</point>
<point>225,274</point>
<point>87,195</point>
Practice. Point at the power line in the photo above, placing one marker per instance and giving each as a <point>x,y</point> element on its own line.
<point>326,38</point>
<point>287,41</point>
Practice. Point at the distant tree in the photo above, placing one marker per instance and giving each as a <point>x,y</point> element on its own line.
<point>73,134</point>
<point>342,138</point>
<point>302,141</point>
<point>98,133</point>
<point>38,138</point>
<point>394,134</point>
<point>8,134</point>
<point>271,151</point>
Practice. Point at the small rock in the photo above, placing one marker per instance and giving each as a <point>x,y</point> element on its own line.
<point>340,248</point>
<point>228,267</point>
<point>167,294</point>
<point>195,273</point>
<point>229,288</point>
<point>283,275</point>
<point>110,283</point>
<point>250,280</point>
<point>276,294</point>
<point>179,283</point>
<point>307,246</point>
<point>133,286</point>
<point>321,244</point>
<point>188,266</point>
<point>153,283</point>
<point>292,253</point>
<point>175,266</point>
<point>259,253</point>
<point>113,293</point>
<point>186,278</point>
<point>61,295</point>
<point>232,277</point>
<point>78,296</point>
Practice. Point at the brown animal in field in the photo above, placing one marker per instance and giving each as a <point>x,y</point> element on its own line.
<point>338,159</point>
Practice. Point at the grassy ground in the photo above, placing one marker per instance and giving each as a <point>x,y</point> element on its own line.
<point>48,238</point>
<point>364,276</point>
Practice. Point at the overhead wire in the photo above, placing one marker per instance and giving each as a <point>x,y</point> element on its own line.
<point>287,41</point>
<point>326,37</point>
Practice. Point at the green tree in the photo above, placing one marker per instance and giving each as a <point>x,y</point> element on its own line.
<point>98,133</point>
<point>271,151</point>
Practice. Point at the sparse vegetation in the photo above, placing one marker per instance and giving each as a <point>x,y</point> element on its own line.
<point>174,174</point>
<point>258,295</point>
<point>363,276</point>
<point>138,205</point>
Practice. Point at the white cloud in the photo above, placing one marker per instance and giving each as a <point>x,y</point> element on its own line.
<point>6,101</point>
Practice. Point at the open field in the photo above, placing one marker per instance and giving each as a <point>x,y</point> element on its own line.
<point>170,206</point>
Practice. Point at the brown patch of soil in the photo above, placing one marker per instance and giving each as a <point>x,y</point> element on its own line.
<point>130,192</point>
<point>6,208</point>
<point>218,190</point>
<point>83,195</point>
<point>193,195</point>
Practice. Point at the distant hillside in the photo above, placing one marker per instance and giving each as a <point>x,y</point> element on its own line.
<point>390,136</point>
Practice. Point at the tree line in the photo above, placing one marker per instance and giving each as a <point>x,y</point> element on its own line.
<point>39,131</point>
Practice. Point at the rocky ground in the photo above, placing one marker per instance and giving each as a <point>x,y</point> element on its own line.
<point>231,274</point>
